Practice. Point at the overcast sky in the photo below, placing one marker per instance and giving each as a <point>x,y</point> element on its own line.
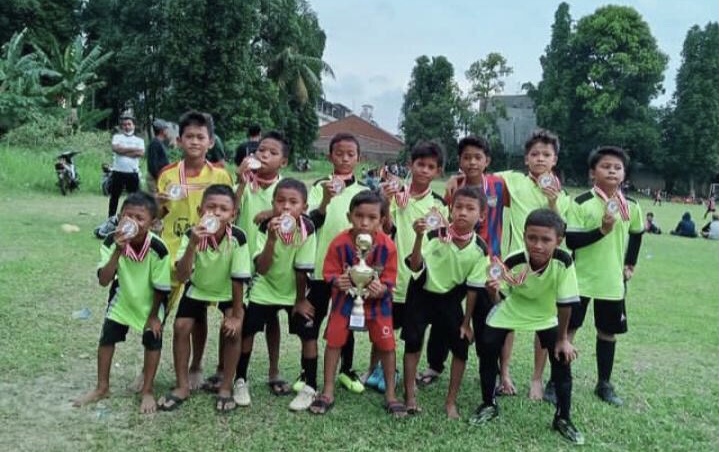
<point>372,44</point>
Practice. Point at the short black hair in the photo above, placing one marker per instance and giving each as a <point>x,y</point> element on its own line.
<point>546,218</point>
<point>650,213</point>
<point>254,130</point>
<point>542,136</point>
<point>158,125</point>
<point>474,193</point>
<point>344,136</point>
<point>596,155</point>
<point>292,184</point>
<point>141,199</point>
<point>476,141</point>
<point>220,190</point>
<point>370,197</point>
<point>425,149</point>
<point>127,117</point>
<point>199,119</point>
<point>278,136</point>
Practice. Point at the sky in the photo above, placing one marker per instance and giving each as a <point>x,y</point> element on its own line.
<point>372,44</point>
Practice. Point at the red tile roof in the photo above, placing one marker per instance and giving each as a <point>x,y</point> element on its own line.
<point>361,129</point>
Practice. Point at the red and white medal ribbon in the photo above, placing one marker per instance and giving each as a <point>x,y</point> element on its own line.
<point>254,181</point>
<point>403,194</point>
<point>130,253</point>
<point>450,234</point>
<point>618,197</point>
<point>211,241</point>
<point>289,237</point>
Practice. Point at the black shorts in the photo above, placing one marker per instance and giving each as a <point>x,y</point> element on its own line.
<point>495,337</point>
<point>197,310</point>
<point>610,316</point>
<point>319,297</point>
<point>398,310</point>
<point>120,181</point>
<point>113,332</point>
<point>442,311</point>
<point>258,315</point>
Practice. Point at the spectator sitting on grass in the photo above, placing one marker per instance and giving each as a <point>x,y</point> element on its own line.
<point>711,230</point>
<point>650,226</point>
<point>686,227</point>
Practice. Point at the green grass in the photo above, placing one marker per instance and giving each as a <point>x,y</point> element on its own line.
<point>666,366</point>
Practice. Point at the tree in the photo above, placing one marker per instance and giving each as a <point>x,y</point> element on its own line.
<point>296,74</point>
<point>430,105</point>
<point>45,20</point>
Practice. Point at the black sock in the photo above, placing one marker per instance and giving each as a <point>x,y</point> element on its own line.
<point>605,359</point>
<point>309,371</point>
<point>347,354</point>
<point>242,365</point>
<point>564,399</point>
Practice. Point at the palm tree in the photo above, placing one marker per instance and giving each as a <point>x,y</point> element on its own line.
<point>20,73</point>
<point>298,75</point>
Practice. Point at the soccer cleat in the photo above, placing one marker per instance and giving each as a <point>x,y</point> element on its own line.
<point>605,391</point>
<point>242,392</point>
<point>107,227</point>
<point>303,399</point>
<point>568,431</point>
<point>550,393</point>
<point>375,377</point>
<point>299,383</point>
<point>484,413</point>
<point>351,381</point>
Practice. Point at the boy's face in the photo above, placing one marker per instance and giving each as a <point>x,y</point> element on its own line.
<point>473,161</point>
<point>289,201</point>
<point>221,206</point>
<point>195,141</point>
<point>541,158</point>
<point>609,172</point>
<point>540,241</point>
<point>269,153</point>
<point>366,218</point>
<point>424,170</point>
<point>466,212</point>
<point>141,215</point>
<point>344,157</point>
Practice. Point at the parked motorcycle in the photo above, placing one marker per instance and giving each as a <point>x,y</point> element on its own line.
<point>68,178</point>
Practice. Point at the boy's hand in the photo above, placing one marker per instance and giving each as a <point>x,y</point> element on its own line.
<point>243,167</point>
<point>376,289</point>
<point>552,193</point>
<point>197,233</point>
<point>343,282</point>
<point>232,325</point>
<point>628,272</point>
<point>608,221</point>
<point>565,352</point>
<point>153,324</point>
<point>162,199</point>
<point>327,192</point>
<point>419,226</point>
<point>492,286</point>
<point>262,216</point>
<point>121,239</point>
<point>304,308</point>
<point>452,184</point>
<point>273,228</point>
<point>390,188</point>
<point>465,332</point>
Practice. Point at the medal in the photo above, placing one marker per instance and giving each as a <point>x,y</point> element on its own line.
<point>495,271</point>
<point>492,201</point>
<point>287,224</point>
<point>253,164</point>
<point>337,185</point>
<point>175,192</point>
<point>128,228</point>
<point>433,220</point>
<point>211,223</point>
<point>546,180</point>
<point>612,206</point>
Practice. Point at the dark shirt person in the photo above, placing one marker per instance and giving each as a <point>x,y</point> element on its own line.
<point>216,154</point>
<point>157,153</point>
<point>686,227</point>
<point>248,147</point>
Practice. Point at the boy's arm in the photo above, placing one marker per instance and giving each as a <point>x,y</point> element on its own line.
<point>187,251</point>
<point>636,230</point>
<point>302,306</point>
<point>160,276</point>
<point>415,259</point>
<point>263,261</point>
<point>106,273</point>
<point>153,320</point>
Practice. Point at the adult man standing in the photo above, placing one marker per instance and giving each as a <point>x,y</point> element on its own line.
<point>157,153</point>
<point>254,133</point>
<point>127,150</point>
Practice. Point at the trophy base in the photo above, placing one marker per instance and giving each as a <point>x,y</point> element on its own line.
<point>357,323</point>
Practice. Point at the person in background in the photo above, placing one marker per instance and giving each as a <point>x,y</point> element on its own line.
<point>216,154</point>
<point>254,133</point>
<point>686,227</point>
<point>157,153</point>
<point>650,226</point>
<point>711,230</point>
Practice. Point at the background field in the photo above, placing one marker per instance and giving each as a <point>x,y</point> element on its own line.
<point>666,366</point>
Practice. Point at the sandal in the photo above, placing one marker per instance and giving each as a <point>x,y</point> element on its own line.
<point>426,378</point>
<point>212,384</point>
<point>396,409</point>
<point>321,405</point>
<point>170,402</point>
<point>413,410</point>
<point>279,387</point>
<point>225,404</point>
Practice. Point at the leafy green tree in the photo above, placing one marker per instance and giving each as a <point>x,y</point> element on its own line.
<point>296,74</point>
<point>45,20</point>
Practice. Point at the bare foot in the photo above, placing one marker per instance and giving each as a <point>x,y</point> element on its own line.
<point>452,412</point>
<point>148,404</point>
<point>196,379</point>
<point>536,390</point>
<point>136,385</point>
<point>507,386</point>
<point>91,397</point>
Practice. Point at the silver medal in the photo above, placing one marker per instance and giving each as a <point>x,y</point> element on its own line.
<point>495,271</point>
<point>433,220</point>
<point>337,185</point>
<point>211,223</point>
<point>492,201</point>
<point>546,180</point>
<point>253,164</point>
<point>287,224</point>
<point>128,228</point>
<point>612,206</point>
<point>175,192</point>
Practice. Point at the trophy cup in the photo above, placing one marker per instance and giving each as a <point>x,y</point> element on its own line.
<point>361,275</point>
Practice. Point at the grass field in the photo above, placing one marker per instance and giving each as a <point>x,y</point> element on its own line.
<point>666,366</point>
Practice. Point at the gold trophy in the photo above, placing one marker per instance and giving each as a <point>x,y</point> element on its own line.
<point>361,275</point>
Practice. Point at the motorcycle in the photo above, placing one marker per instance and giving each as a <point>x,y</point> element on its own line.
<point>68,178</point>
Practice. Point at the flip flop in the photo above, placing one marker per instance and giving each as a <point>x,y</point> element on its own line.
<point>212,383</point>
<point>279,387</point>
<point>426,378</point>
<point>175,400</point>
<point>413,410</point>
<point>223,403</point>
<point>321,405</point>
<point>396,409</point>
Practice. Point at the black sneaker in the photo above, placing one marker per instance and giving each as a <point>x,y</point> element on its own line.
<point>483,414</point>
<point>550,393</point>
<point>605,391</point>
<point>568,431</point>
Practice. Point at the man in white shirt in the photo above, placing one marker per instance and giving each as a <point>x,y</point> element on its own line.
<point>711,230</point>
<point>127,149</point>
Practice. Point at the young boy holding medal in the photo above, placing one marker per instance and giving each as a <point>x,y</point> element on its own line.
<point>605,232</point>
<point>542,288</point>
<point>285,255</point>
<point>329,201</point>
<point>215,262</point>
<point>448,265</point>
<point>179,191</point>
<point>136,265</point>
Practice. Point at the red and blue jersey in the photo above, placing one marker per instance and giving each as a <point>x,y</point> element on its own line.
<point>491,228</point>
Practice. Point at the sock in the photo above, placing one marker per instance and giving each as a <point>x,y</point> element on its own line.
<point>347,354</point>
<point>564,399</point>
<point>605,359</point>
<point>309,371</point>
<point>242,365</point>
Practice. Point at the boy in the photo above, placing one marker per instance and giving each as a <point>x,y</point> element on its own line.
<point>449,265</point>
<point>474,158</point>
<point>286,245</point>
<point>409,202</point>
<point>605,234</point>
<point>329,201</point>
<point>650,226</point>
<point>542,290</point>
<point>539,188</point>
<point>215,260</point>
<point>138,266</point>
<point>365,214</point>
<point>180,186</point>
